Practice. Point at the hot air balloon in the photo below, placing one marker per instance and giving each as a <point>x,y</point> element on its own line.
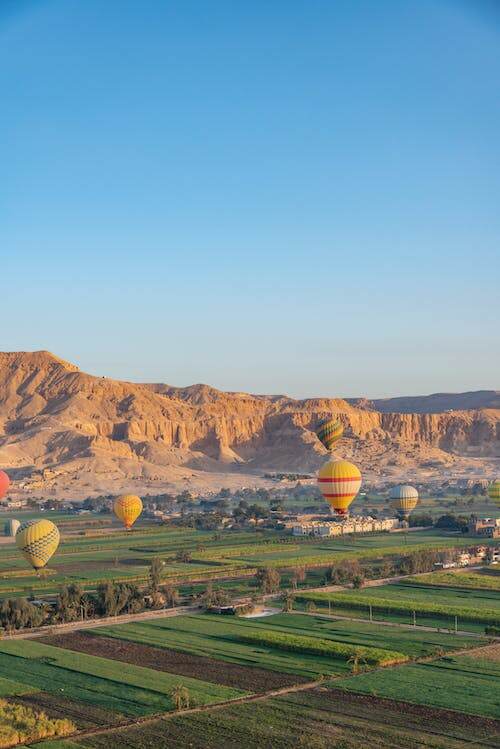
<point>339,482</point>
<point>494,491</point>
<point>37,540</point>
<point>329,432</point>
<point>11,527</point>
<point>404,499</point>
<point>4,484</point>
<point>127,508</point>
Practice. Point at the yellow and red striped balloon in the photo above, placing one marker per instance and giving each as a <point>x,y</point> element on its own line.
<point>494,491</point>
<point>339,482</point>
<point>329,432</point>
<point>127,508</point>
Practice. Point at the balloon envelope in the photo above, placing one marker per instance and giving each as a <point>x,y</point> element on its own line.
<point>494,491</point>
<point>329,432</point>
<point>127,508</point>
<point>37,540</point>
<point>4,484</point>
<point>339,482</point>
<point>404,499</point>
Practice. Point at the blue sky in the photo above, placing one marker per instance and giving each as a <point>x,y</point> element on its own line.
<point>295,196</point>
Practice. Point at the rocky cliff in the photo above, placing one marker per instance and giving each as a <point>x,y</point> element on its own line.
<point>69,433</point>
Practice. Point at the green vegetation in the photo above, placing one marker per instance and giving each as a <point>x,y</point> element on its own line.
<point>312,719</point>
<point>221,637</point>
<point>19,723</point>
<point>459,683</point>
<point>191,556</point>
<point>318,646</point>
<point>116,686</point>
<point>431,604</point>
<point>484,579</point>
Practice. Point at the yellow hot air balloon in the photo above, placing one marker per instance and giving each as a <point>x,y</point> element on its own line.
<point>127,508</point>
<point>339,482</point>
<point>329,432</point>
<point>37,541</point>
<point>494,491</point>
<point>404,499</point>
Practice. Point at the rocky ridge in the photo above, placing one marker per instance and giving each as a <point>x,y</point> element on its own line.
<point>69,433</point>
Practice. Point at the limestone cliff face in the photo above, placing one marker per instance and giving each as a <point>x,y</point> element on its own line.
<point>93,431</point>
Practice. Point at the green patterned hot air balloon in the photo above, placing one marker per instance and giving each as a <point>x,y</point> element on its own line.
<point>494,491</point>
<point>329,432</point>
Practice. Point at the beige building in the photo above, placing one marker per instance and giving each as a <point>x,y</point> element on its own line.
<point>357,524</point>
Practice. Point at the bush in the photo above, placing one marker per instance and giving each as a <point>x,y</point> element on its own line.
<point>19,724</point>
<point>492,630</point>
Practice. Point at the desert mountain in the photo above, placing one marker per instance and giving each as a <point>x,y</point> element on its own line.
<point>432,404</point>
<point>73,434</point>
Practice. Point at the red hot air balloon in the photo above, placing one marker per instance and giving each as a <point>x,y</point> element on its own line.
<point>4,484</point>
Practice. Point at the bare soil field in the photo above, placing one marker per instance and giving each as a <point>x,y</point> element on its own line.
<point>410,715</point>
<point>320,718</point>
<point>219,672</point>
<point>489,652</point>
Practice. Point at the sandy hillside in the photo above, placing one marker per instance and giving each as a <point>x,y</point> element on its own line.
<point>66,433</point>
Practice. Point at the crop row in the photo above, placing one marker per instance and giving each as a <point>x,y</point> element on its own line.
<point>318,646</point>
<point>390,606</point>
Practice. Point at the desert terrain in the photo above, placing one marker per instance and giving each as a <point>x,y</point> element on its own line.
<point>65,433</point>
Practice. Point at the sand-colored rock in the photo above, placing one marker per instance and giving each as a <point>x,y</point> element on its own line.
<point>75,434</point>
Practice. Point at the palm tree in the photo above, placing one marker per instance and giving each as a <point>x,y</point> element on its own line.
<point>288,601</point>
<point>357,662</point>
<point>180,697</point>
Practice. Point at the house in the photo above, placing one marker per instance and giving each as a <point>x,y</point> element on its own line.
<point>487,527</point>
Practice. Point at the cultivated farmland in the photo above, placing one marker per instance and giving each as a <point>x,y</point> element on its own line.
<point>434,606</point>
<point>314,719</point>
<point>467,684</point>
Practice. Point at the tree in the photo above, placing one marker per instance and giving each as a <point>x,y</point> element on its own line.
<point>268,579</point>
<point>345,571</point>
<point>358,581</point>
<point>171,596</point>
<point>298,576</point>
<point>356,662</point>
<point>311,607</point>
<point>18,613</point>
<point>214,596</point>
<point>183,556</point>
<point>288,601</point>
<point>155,571</point>
<point>71,603</point>
<point>180,697</point>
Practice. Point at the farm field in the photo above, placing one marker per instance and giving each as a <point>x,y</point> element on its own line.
<point>315,719</point>
<point>465,683</point>
<point>116,555</point>
<point>435,606</point>
<point>487,578</point>
<point>223,638</point>
<point>125,689</point>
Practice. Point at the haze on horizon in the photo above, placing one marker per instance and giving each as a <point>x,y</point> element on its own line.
<point>294,198</point>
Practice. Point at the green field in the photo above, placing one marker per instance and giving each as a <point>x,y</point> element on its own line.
<point>220,637</point>
<point>116,555</point>
<point>459,683</point>
<point>487,578</point>
<point>119,687</point>
<point>434,606</point>
<point>315,719</point>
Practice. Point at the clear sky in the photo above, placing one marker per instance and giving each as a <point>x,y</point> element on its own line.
<point>297,196</point>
